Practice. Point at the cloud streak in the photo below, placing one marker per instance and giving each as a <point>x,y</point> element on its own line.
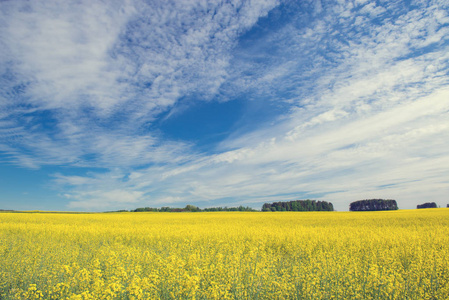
<point>108,71</point>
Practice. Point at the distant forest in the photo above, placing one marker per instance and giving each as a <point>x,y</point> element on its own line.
<point>427,205</point>
<point>192,208</point>
<point>373,205</point>
<point>296,205</point>
<point>299,205</point>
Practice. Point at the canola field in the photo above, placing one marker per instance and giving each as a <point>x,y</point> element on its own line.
<point>286,255</point>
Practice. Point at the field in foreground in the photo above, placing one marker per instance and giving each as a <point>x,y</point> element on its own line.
<point>287,255</point>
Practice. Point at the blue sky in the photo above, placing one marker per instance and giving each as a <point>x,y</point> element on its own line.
<point>110,105</point>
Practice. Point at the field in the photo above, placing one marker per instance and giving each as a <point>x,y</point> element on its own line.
<point>286,255</point>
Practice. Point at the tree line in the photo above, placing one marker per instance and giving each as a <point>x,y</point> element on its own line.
<point>373,205</point>
<point>299,205</point>
<point>427,205</point>
<point>295,205</point>
<point>192,208</point>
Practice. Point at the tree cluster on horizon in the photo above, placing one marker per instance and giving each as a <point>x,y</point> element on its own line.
<point>373,205</point>
<point>427,205</point>
<point>192,208</point>
<point>299,205</point>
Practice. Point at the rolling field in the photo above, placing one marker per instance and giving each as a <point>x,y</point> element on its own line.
<point>288,255</point>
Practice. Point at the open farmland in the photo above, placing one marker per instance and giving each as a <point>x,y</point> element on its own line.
<point>286,255</point>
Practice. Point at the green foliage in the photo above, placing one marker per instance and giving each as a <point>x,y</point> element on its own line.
<point>192,208</point>
<point>142,209</point>
<point>373,205</point>
<point>427,205</point>
<point>299,205</point>
<point>240,208</point>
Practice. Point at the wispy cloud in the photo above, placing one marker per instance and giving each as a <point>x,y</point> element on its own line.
<point>102,73</point>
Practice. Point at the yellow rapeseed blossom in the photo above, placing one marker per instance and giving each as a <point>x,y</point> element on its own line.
<point>225,255</point>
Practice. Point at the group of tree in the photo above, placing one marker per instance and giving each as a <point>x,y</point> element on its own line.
<point>296,205</point>
<point>427,205</point>
<point>192,208</point>
<point>240,208</point>
<point>299,205</point>
<point>373,205</point>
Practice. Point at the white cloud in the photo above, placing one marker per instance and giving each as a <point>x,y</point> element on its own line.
<point>383,122</point>
<point>60,50</point>
<point>105,71</point>
<point>102,200</point>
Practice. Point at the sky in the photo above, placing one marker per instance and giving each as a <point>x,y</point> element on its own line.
<point>108,105</point>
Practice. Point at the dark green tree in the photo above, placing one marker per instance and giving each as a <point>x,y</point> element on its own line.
<point>427,205</point>
<point>298,205</point>
<point>373,205</point>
